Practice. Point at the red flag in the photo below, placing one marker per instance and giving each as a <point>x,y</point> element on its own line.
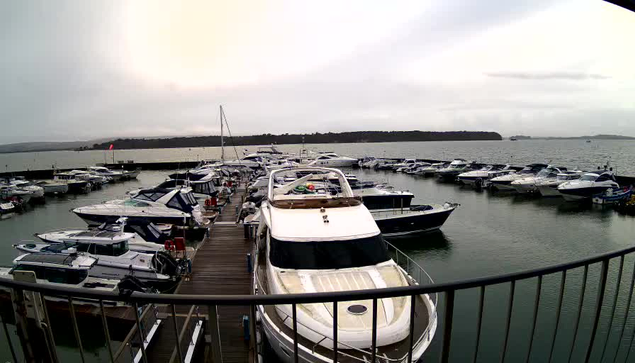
<point>112,146</point>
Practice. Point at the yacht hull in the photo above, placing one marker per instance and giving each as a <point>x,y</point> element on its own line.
<point>579,194</point>
<point>396,222</point>
<point>97,219</point>
<point>55,188</point>
<point>549,191</point>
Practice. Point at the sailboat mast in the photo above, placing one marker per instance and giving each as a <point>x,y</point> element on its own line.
<point>222,140</point>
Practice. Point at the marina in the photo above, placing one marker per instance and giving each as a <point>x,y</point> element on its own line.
<point>465,244</point>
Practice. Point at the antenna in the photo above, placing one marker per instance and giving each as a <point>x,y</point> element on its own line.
<point>222,141</point>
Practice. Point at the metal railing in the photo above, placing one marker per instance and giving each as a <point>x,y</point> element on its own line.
<point>584,327</point>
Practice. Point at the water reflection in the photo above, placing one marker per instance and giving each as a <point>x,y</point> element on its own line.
<point>422,242</point>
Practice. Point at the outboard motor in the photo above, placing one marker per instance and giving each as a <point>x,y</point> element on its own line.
<point>130,284</point>
<point>166,264</point>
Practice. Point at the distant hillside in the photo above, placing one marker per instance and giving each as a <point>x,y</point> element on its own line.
<point>316,138</point>
<point>46,146</point>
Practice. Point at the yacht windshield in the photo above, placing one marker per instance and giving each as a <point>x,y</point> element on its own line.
<point>588,177</point>
<point>328,254</point>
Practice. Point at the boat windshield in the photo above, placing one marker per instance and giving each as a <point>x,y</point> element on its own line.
<point>544,173</point>
<point>55,275</point>
<point>135,203</point>
<point>324,255</point>
<point>589,177</point>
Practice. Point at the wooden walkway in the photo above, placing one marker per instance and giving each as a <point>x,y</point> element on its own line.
<point>219,268</point>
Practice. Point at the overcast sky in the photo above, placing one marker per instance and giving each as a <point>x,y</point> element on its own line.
<point>74,70</point>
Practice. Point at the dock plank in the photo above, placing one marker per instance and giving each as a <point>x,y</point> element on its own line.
<point>219,268</point>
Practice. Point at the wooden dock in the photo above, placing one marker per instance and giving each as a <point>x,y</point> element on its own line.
<point>219,268</point>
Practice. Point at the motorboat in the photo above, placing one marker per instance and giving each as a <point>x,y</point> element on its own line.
<point>430,170</point>
<point>456,167</point>
<point>144,236</point>
<point>529,184</point>
<point>7,207</point>
<point>613,196</point>
<point>504,182</point>
<point>53,187</point>
<point>548,187</point>
<point>157,205</point>
<point>314,239</point>
<point>114,258</point>
<point>333,160</point>
<point>384,164</point>
<point>396,222</point>
<point>69,270</point>
<point>202,186</point>
<point>366,162</point>
<point>588,185</point>
<point>482,175</point>
<point>26,188</point>
<point>103,171</point>
<point>77,181</point>
<point>415,168</point>
<point>404,164</point>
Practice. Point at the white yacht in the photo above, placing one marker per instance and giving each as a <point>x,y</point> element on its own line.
<point>480,176</point>
<point>323,241</point>
<point>549,187</point>
<point>103,171</point>
<point>178,207</point>
<point>504,182</point>
<point>144,236</point>
<point>69,270</point>
<point>404,164</point>
<point>333,160</point>
<point>77,181</point>
<point>529,184</point>
<point>588,185</point>
<point>114,258</point>
<point>430,170</point>
<point>34,191</point>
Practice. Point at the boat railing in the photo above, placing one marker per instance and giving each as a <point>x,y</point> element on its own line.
<point>595,310</point>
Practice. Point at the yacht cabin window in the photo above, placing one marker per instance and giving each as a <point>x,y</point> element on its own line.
<point>323,255</point>
<point>55,275</point>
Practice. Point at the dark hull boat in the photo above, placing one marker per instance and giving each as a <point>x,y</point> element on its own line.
<point>396,222</point>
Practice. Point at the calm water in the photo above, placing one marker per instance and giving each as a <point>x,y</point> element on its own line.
<point>488,234</point>
<point>571,153</point>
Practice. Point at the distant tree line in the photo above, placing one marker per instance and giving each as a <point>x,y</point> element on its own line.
<point>315,138</point>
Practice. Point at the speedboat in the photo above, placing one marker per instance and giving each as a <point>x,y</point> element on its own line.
<point>450,173</point>
<point>404,164</point>
<point>25,187</point>
<point>103,171</point>
<point>69,270</point>
<point>588,185</point>
<point>431,170</point>
<point>333,160</point>
<point>548,187</point>
<point>114,259</point>
<point>529,184</point>
<point>314,239</point>
<point>480,176</point>
<point>53,187</point>
<point>202,186</point>
<point>504,182</point>
<point>178,207</point>
<point>78,181</point>
<point>144,236</point>
<point>395,222</point>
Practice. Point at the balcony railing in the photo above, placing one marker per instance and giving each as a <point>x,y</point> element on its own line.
<point>611,304</point>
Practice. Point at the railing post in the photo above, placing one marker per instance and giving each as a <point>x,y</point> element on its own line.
<point>374,333</point>
<point>510,309</point>
<point>581,303</point>
<point>617,295</point>
<point>479,322</point>
<point>294,311</point>
<point>214,330</point>
<point>76,328</point>
<point>626,313</point>
<point>142,338</point>
<point>48,330</point>
<point>447,326</point>
<point>558,311</point>
<point>413,304</point>
<point>335,328</point>
<point>535,318</point>
<point>104,322</point>
<point>176,334</point>
<point>598,308</point>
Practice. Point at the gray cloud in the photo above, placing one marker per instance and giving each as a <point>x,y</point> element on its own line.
<point>573,76</point>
